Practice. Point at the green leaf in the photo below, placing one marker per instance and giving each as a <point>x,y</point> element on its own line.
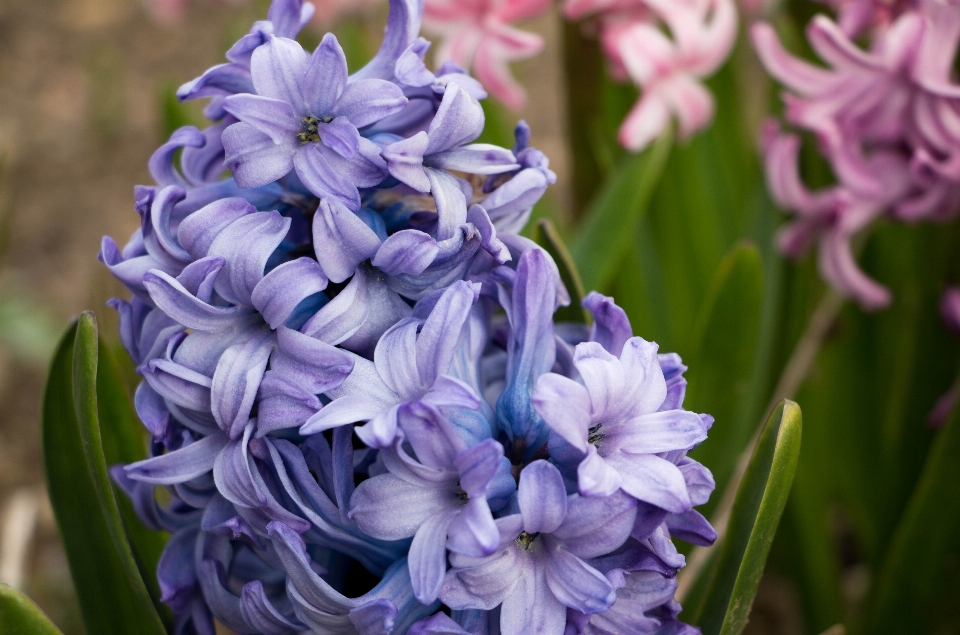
<point>546,235</point>
<point>611,222</point>
<point>124,442</point>
<point>920,579</point>
<point>756,512</point>
<point>20,616</point>
<point>722,359</point>
<point>112,594</point>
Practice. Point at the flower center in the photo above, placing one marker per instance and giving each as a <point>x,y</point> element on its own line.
<point>310,129</point>
<point>524,540</point>
<point>595,436</point>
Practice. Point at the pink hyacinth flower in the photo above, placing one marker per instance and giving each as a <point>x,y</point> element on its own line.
<point>665,47</point>
<point>887,120</point>
<point>477,34</point>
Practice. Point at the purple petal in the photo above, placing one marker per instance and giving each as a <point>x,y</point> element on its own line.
<point>473,531</point>
<point>575,583</point>
<point>692,527</point>
<point>289,16</point>
<point>482,583</point>
<point>476,158</point>
<point>427,557</point>
<point>403,26</point>
<point>438,624</point>
<point>450,392</point>
<point>653,480</point>
<point>374,618</point>
<point>174,300</point>
<point>260,613</point>
<point>410,69</point>
<point>391,508</point>
<point>181,465</point>
<point>477,465</point>
<point>451,203</point>
<point>367,101</point>
<point>223,79</point>
<point>341,136</point>
<point>342,240</point>
<point>246,245</point>
<point>565,407</point>
<point>542,497</point>
<point>312,364</point>
<point>278,69</point>
<point>396,359</point>
<point>233,472</point>
<point>595,477</point>
<point>604,377</point>
<point>405,161</point>
<point>699,480</point>
<point>531,608</point>
<point>175,570</point>
<point>272,117</point>
<point>281,290</point>
<point>409,251</point>
<point>198,277</point>
<point>326,77</point>
<point>459,120</point>
<point>611,326</point>
<point>317,167</point>
<point>161,161</point>
<point>178,384</point>
<point>645,382</point>
<point>151,409</point>
<point>283,404</point>
<point>440,334</point>
<point>198,230</point>
<point>253,156</point>
<point>339,412</point>
<point>344,315</point>
<point>236,380</point>
<point>656,432</point>
<point>597,526</point>
<point>433,438</point>
<point>510,204</point>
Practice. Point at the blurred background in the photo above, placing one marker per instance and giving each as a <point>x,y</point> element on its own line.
<point>871,535</point>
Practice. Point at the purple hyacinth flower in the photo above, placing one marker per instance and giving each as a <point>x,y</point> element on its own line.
<point>440,498</point>
<point>423,160</point>
<point>540,569</point>
<point>614,418</point>
<point>305,116</point>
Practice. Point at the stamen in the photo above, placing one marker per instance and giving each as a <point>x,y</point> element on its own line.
<point>310,129</point>
<point>524,540</point>
<point>594,436</point>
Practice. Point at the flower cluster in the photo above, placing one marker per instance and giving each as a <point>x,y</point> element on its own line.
<point>665,47</point>
<point>887,120</point>
<point>479,35</point>
<point>363,417</point>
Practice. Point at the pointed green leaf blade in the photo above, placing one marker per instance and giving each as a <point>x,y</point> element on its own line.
<point>20,616</point>
<point>611,221</point>
<point>124,442</point>
<point>112,595</point>
<point>546,235</point>
<point>919,583</point>
<point>722,359</point>
<point>756,512</point>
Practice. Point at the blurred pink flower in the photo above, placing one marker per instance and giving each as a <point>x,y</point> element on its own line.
<point>478,34</point>
<point>171,12</point>
<point>665,47</point>
<point>887,119</point>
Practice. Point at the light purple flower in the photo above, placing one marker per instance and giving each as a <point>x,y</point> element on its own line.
<point>305,116</point>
